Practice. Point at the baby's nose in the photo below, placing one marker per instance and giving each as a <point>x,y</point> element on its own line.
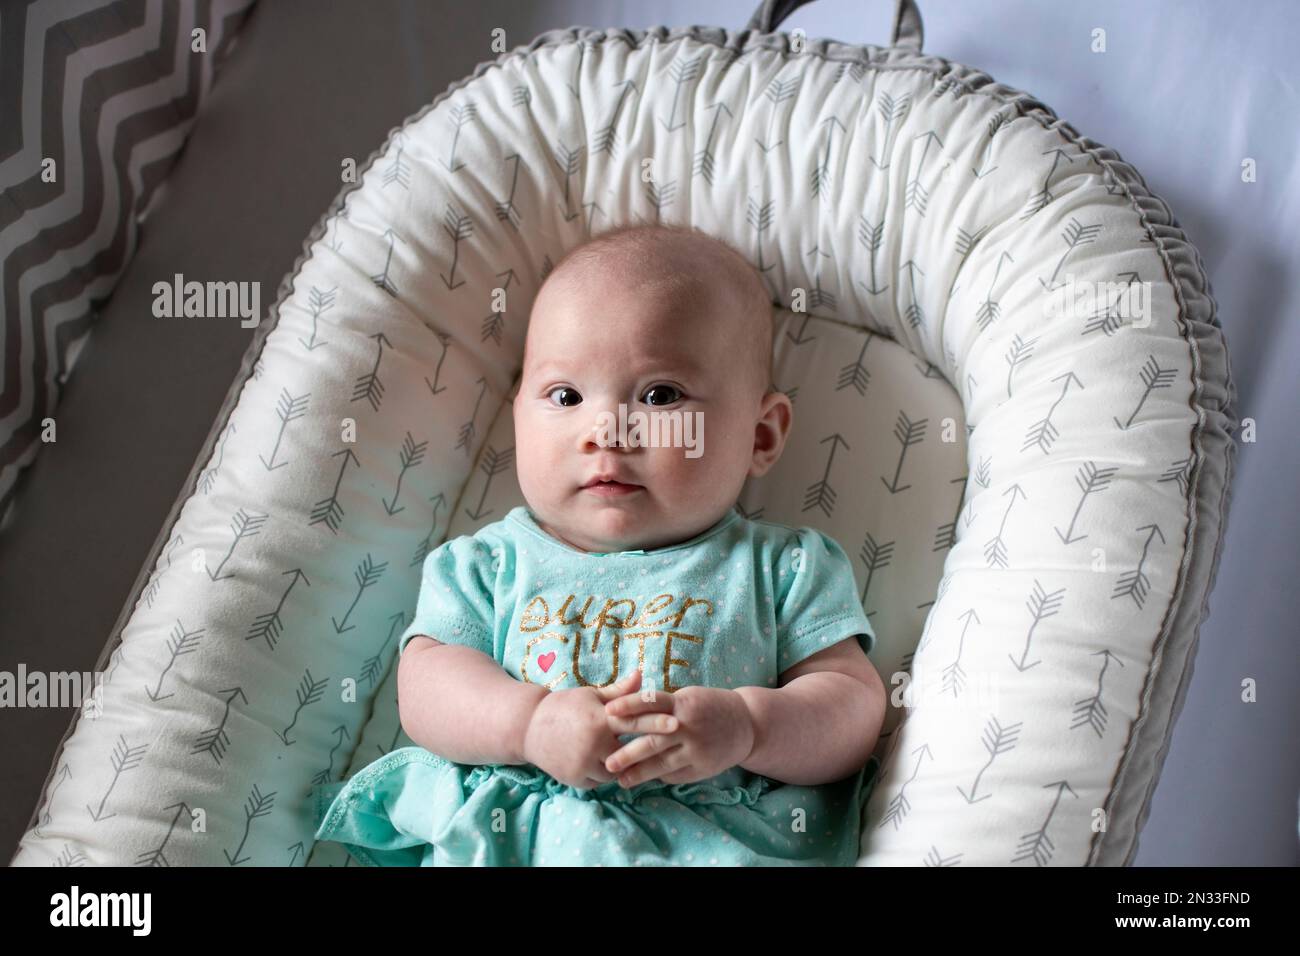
<point>604,432</point>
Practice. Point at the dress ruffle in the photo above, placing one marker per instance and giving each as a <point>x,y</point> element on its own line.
<point>414,808</point>
<point>712,791</point>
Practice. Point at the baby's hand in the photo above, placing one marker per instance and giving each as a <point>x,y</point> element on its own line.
<point>713,732</point>
<point>569,737</point>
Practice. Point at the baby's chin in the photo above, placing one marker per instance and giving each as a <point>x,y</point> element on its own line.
<point>609,528</point>
<point>622,524</point>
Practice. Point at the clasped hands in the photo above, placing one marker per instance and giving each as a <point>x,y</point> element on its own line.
<point>686,735</point>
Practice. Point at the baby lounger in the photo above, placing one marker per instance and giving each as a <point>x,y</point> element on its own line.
<point>1032,483</point>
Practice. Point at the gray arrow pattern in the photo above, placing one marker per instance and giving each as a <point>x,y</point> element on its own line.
<point>991,520</point>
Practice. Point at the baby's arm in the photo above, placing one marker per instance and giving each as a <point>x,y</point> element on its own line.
<point>822,723</point>
<point>460,704</point>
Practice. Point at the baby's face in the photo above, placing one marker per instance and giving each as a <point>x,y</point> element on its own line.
<point>592,348</point>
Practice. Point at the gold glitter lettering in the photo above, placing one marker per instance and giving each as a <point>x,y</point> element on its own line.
<point>639,637</point>
<point>669,660</point>
<point>581,619</point>
<point>531,617</point>
<point>686,606</point>
<point>606,617</point>
<point>577,668</point>
<point>618,614</point>
<point>653,607</point>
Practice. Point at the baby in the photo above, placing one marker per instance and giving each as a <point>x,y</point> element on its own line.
<point>742,730</point>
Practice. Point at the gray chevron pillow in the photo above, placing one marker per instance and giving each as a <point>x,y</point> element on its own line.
<point>76,173</point>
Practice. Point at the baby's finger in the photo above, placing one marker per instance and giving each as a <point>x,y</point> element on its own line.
<point>653,767</point>
<point>624,685</point>
<point>629,705</point>
<point>637,750</point>
<point>643,724</point>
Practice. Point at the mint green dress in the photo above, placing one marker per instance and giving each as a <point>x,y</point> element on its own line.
<point>736,605</point>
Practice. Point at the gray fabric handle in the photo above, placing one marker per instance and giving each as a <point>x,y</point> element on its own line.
<point>908,31</point>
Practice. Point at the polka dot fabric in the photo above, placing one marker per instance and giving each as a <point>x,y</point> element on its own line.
<point>734,606</point>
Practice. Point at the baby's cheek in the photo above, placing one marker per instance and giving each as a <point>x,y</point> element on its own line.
<point>534,459</point>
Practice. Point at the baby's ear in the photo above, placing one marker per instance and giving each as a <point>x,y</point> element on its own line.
<point>771,432</point>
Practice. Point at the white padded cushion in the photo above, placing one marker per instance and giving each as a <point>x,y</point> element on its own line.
<point>1035,566</point>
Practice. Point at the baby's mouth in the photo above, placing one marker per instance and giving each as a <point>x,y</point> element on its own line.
<point>610,489</point>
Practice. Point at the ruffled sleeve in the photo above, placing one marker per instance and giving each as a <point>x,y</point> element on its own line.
<point>817,601</point>
<point>457,594</point>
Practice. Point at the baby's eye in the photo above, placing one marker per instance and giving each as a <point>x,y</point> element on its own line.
<point>667,394</point>
<point>573,397</point>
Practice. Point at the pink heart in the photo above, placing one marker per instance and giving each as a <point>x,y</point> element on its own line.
<point>546,660</point>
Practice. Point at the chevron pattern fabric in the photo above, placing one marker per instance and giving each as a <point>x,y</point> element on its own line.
<point>96,101</point>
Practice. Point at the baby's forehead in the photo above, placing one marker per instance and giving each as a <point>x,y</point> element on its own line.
<point>688,290</point>
<point>670,343</point>
<point>612,289</point>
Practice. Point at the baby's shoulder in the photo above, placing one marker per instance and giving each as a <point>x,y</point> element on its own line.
<point>485,548</point>
<point>777,540</point>
<point>790,551</point>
